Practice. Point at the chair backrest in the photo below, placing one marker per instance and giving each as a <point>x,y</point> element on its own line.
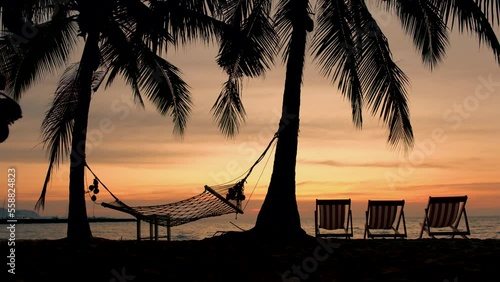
<point>382,214</point>
<point>333,213</point>
<point>444,211</point>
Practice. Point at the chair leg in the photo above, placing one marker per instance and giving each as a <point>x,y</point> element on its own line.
<point>422,229</point>
<point>316,228</point>
<point>366,224</point>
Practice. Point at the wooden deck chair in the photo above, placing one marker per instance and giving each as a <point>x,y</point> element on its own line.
<point>381,216</point>
<point>332,215</point>
<point>445,212</point>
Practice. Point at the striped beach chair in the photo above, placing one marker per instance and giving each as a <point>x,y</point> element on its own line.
<point>332,215</point>
<point>381,220</point>
<point>443,214</point>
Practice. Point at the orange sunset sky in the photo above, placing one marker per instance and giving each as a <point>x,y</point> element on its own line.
<point>454,112</point>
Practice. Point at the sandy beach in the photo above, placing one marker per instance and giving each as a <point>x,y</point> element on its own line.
<point>233,257</point>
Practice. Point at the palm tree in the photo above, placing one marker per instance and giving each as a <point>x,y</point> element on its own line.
<point>121,37</point>
<point>352,50</point>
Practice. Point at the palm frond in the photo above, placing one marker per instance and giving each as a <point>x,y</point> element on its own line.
<point>422,20</point>
<point>118,55</point>
<point>283,24</point>
<point>471,16</point>
<point>45,10</point>
<point>161,82</point>
<point>16,15</point>
<point>141,18</point>
<point>190,20</point>
<point>248,47</point>
<point>45,52</point>
<point>228,109</point>
<point>57,126</point>
<point>491,8</point>
<point>235,11</point>
<point>336,49</point>
<point>12,17</point>
<point>249,42</point>
<point>458,10</point>
<point>10,58</point>
<point>383,82</point>
<point>98,79</point>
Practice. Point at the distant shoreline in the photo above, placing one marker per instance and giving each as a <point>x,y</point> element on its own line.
<point>61,220</point>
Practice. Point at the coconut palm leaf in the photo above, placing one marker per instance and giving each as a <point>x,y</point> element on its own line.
<point>20,22</point>
<point>247,48</point>
<point>422,20</point>
<point>40,11</point>
<point>383,82</point>
<point>249,42</point>
<point>58,124</point>
<point>17,12</point>
<point>335,47</point>
<point>59,119</point>
<point>118,56</point>
<point>41,54</point>
<point>491,8</point>
<point>228,110</point>
<point>12,16</point>
<point>283,25</point>
<point>235,11</point>
<point>472,16</point>
<point>98,78</point>
<point>189,20</point>
<point>10,58</point>
<point>162,84</point>
<point>139,18</point>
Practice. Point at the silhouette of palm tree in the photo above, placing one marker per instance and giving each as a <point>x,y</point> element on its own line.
<point>121,38</point>
<point>352,50</point>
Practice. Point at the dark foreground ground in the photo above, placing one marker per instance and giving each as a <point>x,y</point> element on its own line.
<point>236,258</point>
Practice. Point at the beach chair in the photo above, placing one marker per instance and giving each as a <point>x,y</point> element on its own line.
<point>333,218</point>
<point>443,214</point>
<point>381,219</point>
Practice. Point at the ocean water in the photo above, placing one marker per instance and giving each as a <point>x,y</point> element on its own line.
<point>482,227</point>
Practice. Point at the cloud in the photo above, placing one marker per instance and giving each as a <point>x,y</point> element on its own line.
<point>440,188</point>
<point>365,164</point>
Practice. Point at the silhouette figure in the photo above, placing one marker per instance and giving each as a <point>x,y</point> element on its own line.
<point>10,111</point>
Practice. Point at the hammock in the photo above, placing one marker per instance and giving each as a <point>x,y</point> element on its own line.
<point>213,201</point>
<point>209,203</point>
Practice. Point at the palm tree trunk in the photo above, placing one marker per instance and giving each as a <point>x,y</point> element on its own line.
<point>279,213</point>
<point>78,225</point>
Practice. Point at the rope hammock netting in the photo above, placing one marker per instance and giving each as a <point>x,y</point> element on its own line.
<point>209,203</point>
<point>213,201</point>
